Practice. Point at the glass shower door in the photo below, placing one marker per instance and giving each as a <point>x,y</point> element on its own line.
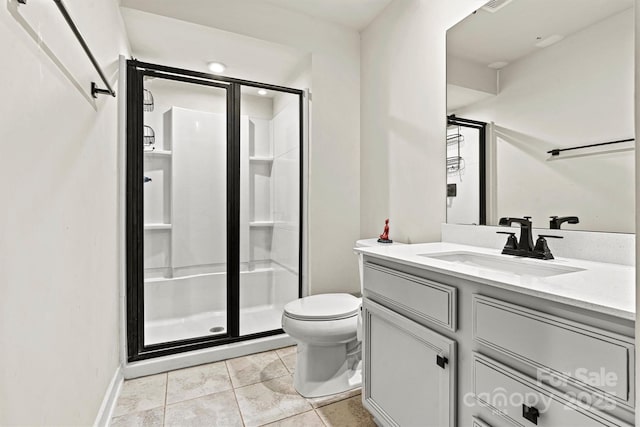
<point>270,141</point>
<point>185,209</point>
<point>213,209</point>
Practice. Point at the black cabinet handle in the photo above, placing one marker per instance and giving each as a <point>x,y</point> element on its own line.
<point>530,413</point>
<point>441,361</point>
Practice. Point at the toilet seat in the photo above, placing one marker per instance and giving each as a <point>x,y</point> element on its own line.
<point>323,307</point>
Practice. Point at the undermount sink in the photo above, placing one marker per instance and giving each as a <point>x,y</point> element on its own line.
<point>503,263</point>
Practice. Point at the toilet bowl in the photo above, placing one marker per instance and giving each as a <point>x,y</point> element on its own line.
<point>327,329</point>
<point>328,354</point>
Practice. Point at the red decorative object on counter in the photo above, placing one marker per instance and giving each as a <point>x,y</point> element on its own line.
<point>384,237</point>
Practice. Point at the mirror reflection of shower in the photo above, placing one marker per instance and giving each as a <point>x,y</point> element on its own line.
<point>465,171</point>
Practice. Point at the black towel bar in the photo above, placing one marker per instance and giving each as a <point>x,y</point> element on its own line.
<point>95,91</point>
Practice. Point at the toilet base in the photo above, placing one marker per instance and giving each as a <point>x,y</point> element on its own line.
<point>324,370</point>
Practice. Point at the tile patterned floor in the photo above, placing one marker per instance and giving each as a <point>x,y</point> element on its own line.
<point>254,390</point>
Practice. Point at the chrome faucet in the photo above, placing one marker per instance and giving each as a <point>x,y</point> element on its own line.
<point>524,247</point>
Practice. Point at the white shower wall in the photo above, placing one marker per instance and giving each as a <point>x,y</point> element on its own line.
<point>286,176</point>
<point>198,142</point>
<point>286,185</point>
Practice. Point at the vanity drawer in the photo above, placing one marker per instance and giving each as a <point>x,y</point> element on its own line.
<point>415,296</point>
<point>477,422</point>
<point>563,352</point>
<point>521,401</point>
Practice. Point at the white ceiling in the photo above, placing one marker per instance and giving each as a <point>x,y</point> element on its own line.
<point>172,42</point>
<point>511,32</point>
<point>355,14</point>
<point>189,33</point>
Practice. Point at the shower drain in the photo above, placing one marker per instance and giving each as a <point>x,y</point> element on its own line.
<point>216,329</point>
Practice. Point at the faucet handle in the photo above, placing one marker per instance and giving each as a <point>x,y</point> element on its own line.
<point>541,250</point>
<point>512,241</point>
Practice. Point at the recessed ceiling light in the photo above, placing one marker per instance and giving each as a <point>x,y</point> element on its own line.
<point>262,92</point>
<point>217,67</point>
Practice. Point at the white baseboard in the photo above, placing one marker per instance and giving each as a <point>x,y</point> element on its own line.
<point>110,398</point>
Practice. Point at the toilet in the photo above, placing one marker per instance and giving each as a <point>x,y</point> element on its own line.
<point>324,327</point>
<point>327,330</point>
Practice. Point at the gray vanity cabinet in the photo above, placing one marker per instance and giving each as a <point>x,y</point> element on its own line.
<point>410,370</point>
<point>440,350</point>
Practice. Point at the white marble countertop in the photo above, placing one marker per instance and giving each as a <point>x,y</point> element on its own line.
<point>601,287</point>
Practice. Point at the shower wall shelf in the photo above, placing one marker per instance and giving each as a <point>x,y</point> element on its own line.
<point>261,224</point>
<point>158,153</point>
<point>261,159</point>
<point>157,226</point>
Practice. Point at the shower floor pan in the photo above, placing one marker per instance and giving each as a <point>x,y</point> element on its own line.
<point>252,320</point>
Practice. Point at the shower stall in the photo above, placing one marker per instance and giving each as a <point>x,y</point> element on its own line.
<point>213,208</point>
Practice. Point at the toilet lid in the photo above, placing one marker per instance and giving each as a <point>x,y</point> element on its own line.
<point>323,307</point>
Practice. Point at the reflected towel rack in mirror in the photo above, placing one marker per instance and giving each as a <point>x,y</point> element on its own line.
<point>556,151</point>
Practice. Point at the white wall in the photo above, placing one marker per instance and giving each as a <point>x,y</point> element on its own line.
<point>471,75</point>
<point>403,121</point>
<point>58,247</point>
<point>563,96</point>
<point>334,157</point>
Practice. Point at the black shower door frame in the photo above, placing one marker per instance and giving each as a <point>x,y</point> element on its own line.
<point>481,127</point>
<point>136,71</point>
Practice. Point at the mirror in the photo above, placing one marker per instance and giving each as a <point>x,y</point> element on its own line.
<point>544,75</point>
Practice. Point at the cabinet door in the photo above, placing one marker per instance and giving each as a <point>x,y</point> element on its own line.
<point>409,370</point>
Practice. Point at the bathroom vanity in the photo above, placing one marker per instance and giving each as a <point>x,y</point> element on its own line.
<point>458,335</point>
